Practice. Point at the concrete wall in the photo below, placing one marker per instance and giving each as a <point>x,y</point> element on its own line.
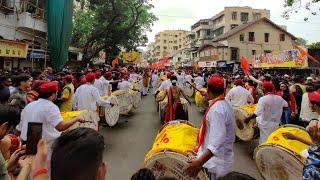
<point>274,44</point>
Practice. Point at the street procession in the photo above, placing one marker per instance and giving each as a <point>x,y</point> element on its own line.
<point>159,90</point>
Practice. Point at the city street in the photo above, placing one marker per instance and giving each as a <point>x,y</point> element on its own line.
<point>130,140</point>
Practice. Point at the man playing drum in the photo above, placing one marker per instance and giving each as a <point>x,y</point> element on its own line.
<point>87,96</point>
<point>268,112</point>
<point>216,136</point>
<point>239,96</point>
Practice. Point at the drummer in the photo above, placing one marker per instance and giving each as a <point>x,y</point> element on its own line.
<point>268,112</point>
<point>174,109</point>
<point>216,137</point>
<point>238,95</point>
<point>87,96</point>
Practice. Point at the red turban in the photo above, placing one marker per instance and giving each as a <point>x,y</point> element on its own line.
<point>268,86</point>
<point>108,74</point>
<point>49,87</point>
<point>314,97</point>
<point>90,77</point>
<point>69,78</point>
<point>216,82</point>
<point>98,75</point>
<point>238,82</point>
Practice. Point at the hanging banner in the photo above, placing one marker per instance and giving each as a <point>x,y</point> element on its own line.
<point>284,59</point>
<point>13,49</point>
<point>131,57</point>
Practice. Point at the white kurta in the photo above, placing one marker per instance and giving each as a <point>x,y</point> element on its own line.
<point>199,81</point>
<point>180,80</point>
<point>106,86</point>
<point>188,78</point>
<point>219,139</point>
<point>306,113</point>
<point>134,77</point>
<point>125,85</point>
<point>165,85</point>
<point>100,86</point>
<point>239,96</point>
<point>87,97</point>
<point>45,112</point>
<point>269,111</point>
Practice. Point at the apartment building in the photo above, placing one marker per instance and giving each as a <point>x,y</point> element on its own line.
<point>167,43</point>
<point>23,32</point>
<point>249,40</point>
<point>205,30</point>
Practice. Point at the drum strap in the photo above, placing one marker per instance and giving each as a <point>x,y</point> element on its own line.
<point>202,131</point>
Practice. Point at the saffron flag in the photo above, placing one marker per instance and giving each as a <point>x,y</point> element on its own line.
<point>304,53</point>
<point>245,65</point>
<point>115,62</point>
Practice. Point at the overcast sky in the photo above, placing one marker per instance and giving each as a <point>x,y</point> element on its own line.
<point>181,14</point>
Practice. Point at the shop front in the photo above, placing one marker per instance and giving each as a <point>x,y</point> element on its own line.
<point>11,52</point>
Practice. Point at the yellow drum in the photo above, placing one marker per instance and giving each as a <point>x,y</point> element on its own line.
<point>168,156</point>
<point>125,101</point>
<point>92,119</point>
<point>281,158</point>
<point>200,100</point>
<point>244,131</point>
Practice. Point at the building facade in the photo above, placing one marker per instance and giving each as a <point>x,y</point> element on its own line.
<point>205,30</point>
<point>247,40</point>
<point>23,28</point>
<point>167,43</point>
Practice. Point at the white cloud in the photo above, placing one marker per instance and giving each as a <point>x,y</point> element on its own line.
<point>181,14</point>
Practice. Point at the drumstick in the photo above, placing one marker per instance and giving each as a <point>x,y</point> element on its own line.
<point>193,86</point>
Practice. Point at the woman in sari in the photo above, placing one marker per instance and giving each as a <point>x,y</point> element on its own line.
<point>174,108</point>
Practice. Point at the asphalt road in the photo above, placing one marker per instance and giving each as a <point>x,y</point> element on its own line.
<point>129,141</point>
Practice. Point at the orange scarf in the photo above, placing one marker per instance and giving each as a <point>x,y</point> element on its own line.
<point>202,131</point>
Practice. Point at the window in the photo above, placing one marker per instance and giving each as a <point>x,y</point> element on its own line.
<point>208,32</point>
<point>164,47</point>
<point>175,35</point>
<point>266,37</point>
<point>244,17</point>
<point>234,54</point>
<point>234,16</point>
<point>180,46</point>
<point>267,51</point>
<point>164,41</point>
<point>233,25</point>
<point>241,37</point>
<point>253,52</point>
<point>282,37</point>
<point>251,36</point>
<point>175,41</point>
<point>256,16</point>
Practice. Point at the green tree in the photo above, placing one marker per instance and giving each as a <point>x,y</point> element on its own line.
<point>301,41</point>
<point>315,45</point>
<point>294,6</point>
<point>111,25</point>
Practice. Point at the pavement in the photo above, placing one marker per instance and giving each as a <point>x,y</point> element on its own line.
<point>129,141</point>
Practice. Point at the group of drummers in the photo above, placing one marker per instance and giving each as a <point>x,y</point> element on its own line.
<point>274,101</point>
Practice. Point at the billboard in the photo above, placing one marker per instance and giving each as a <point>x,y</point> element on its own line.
<point>283,59</point>
<point>131,57</point>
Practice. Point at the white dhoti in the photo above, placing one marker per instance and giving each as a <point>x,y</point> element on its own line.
<point>266,129</point>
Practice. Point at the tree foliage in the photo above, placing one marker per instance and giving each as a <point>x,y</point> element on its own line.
<point>111,25</point>
<point>294,6</point>
<point>315,45</point>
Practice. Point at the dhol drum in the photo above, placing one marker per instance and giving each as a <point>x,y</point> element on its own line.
<point>185,113</point>
<point>110,113</point>
<point>281,158</point>
<point>92,119</point>
<point>200,100</point>
<point>136,98</point>
<point>188,90</point>
<point>244,131</point>
<point>125,101</point>
<point>159,96</point>
<point>169,154</point>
